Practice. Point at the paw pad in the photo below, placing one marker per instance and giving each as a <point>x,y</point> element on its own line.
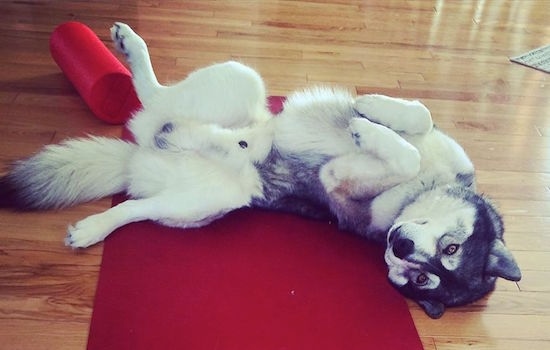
<point>167,128</point>
<point>161,142</point>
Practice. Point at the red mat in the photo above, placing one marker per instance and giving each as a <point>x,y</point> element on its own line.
<point>252,280</point>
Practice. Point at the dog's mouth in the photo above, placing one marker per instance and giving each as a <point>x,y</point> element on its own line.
<point>399,269</point>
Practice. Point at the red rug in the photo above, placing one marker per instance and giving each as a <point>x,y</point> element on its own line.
<point>252,280</point>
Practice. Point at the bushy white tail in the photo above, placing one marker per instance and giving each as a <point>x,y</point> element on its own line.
<point>75,171</point>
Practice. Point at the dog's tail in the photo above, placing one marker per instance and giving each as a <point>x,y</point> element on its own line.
<point>75,171</point>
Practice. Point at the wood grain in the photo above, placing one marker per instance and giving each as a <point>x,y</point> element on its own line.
<point>453,55</point>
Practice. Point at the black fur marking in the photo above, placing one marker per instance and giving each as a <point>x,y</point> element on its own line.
<point>467,180</point>
<point>13,196</point>
<point>7,192</point>
<point>121,42</point>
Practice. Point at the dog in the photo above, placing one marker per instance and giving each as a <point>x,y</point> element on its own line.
<point>208,145</point>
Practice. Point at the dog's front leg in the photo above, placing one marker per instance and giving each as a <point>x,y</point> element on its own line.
<point>352,181</point>
<point>409,117</point>
<point>395,154</point>
<point>383,159</point>
<point>362,176</point>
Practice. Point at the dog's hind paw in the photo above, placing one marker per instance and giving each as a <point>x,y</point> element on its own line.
<point>161,137</point>
<point>69,240</point>
<point>365,133</point>
<point>126,41</point>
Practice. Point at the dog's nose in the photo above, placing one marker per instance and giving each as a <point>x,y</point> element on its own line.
<point>394,233</point>
<point>402,247</point>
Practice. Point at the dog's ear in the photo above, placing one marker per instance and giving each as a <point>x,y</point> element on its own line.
<point>433,308</point>
<point>501,263</point>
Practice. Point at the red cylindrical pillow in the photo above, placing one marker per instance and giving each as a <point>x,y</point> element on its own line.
<point>99,77</point>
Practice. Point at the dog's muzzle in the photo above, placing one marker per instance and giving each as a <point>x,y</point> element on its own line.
<point>398,248</point>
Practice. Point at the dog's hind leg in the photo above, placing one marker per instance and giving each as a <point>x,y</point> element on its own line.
<point>410,117</point>
<point>135,49</point>
<point>172,209</point>
<point>97,227</point>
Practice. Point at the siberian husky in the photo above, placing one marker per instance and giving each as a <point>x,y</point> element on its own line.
<point>208,145</point>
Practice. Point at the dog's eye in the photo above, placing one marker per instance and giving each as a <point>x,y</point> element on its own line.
<point>243,144</point>
<point>421,279</point>
<point>451,249</point>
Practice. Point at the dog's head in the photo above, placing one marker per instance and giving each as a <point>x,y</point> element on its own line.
<point>446,249</point>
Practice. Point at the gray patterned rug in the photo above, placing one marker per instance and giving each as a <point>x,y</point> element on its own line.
<point>538,58</point>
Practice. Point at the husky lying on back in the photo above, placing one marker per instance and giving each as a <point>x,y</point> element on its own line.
<point>207,145</point>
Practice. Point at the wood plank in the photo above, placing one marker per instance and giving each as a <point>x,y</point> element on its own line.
<point>47,335</point>
<point>485,325</point>
<point>489,344</point>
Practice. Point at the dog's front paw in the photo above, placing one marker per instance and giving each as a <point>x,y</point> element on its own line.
<point>364,132</point>
<point>400,115</point>
<point>126,41</point>
<point>372,106</point>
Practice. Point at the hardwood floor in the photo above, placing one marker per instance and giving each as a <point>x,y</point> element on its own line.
<point>453,55</point>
